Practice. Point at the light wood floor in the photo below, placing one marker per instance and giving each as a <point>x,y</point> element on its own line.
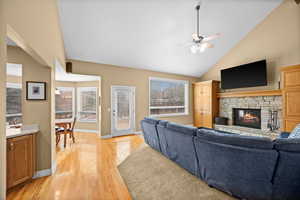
<point>86,170</point>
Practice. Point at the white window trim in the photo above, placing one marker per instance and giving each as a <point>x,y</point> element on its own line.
<point>73,103</point>
<point>18,86</point>
<point>79,89</point>
<point>14,85</point>
<point>186,98</point>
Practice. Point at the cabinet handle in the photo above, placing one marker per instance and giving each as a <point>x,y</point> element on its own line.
<point>11,146</point>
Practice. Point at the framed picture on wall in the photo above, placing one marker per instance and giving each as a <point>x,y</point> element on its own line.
<point>35,90</point>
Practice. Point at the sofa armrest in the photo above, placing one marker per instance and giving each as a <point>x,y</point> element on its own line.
<point>284,135</point>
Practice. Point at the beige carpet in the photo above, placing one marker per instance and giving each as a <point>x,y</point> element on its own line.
<point>149,175</point>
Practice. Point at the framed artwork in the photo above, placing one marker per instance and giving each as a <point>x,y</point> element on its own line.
<point>35,90</point>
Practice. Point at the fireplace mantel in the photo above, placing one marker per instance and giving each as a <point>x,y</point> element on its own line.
<point>255,93</point>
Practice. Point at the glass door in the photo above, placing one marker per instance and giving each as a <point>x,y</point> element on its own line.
<point>122,110</point>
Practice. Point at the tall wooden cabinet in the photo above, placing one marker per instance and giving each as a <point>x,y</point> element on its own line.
<point>290,78</point>
<point>206,105</point>
<point>20,159</point>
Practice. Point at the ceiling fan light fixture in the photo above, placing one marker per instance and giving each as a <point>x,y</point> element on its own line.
<point>194,49</point>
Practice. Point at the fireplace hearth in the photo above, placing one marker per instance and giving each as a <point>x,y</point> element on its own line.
<point>247,117</point>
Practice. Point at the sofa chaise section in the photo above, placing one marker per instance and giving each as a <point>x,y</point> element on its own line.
<point>242,166</point>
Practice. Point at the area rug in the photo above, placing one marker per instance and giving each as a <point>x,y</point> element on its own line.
<point>151,176</point>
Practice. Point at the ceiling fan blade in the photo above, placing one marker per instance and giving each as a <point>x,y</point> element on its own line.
<point>205,46</point>
<point>211,37</point>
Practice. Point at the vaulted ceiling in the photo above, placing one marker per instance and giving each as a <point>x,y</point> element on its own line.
<point>150,35</point>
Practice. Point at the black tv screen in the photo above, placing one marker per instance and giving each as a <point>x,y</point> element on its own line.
<point>248,75</point>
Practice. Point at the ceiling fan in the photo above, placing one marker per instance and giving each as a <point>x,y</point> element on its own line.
<point>200,43</point>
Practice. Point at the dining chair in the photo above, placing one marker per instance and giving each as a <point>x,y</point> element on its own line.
<point>65,131</point>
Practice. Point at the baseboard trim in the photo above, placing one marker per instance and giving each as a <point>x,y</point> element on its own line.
<point>42,173</point>
<point>110,135</point>
<point>53,167</point>
<point>106,136</point>
<point>85,130</point>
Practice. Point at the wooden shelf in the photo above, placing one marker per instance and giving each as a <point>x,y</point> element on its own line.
<point>250,93</point>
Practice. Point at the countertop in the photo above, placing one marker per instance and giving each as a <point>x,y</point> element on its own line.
<point>25,130</point>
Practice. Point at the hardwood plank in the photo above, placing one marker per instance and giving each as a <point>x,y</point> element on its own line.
<point>85,170</point>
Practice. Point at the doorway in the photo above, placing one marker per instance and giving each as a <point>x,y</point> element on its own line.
<point>122,110</point>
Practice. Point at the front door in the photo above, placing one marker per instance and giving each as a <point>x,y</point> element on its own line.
<point>122,110</point>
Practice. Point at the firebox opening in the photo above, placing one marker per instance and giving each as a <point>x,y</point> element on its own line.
<point>247,117</point>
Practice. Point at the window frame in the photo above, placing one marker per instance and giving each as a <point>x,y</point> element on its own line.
<point>79,89</point>
<point>186,98</point>
<point>17,86</point>
<point>73,103</point>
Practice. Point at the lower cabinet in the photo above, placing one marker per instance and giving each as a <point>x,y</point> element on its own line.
<point>21,159</point>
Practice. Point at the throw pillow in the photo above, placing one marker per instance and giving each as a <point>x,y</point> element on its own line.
<point>295,133</point>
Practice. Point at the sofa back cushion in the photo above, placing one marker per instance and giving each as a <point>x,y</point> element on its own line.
<point>235,139</point>
<point>287,176</point>
<point>236,166</point>
<point>161,127</point>
<point>180,146</point>
<point>209,130</point>
<point>287,144</point>
<point>148,126</point>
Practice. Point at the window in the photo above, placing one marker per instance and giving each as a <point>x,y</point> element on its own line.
<point>168,97</point>
<point>13,103</point>
<point>87,104</point>
<point>64,103</point>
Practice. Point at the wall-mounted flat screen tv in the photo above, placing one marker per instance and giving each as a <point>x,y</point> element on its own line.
<point>248,75</point>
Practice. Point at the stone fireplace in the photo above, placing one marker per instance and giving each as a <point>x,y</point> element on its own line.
<point>262,103</point>
<point>247,117</point>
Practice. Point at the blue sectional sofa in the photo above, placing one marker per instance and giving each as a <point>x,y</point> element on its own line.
<point>254,168</point>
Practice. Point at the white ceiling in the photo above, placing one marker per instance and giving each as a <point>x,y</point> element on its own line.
<point>150,34</point>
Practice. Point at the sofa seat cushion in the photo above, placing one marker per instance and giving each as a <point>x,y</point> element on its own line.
<point>236,139</point>
<point>296,132</point>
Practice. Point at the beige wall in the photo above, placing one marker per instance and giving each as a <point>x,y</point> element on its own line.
<point>276,39</point>
<point>113,75</point>
<point>37,22</point>
<point>2,103</point>
<point>35,112</point>
<point>82,125</point>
